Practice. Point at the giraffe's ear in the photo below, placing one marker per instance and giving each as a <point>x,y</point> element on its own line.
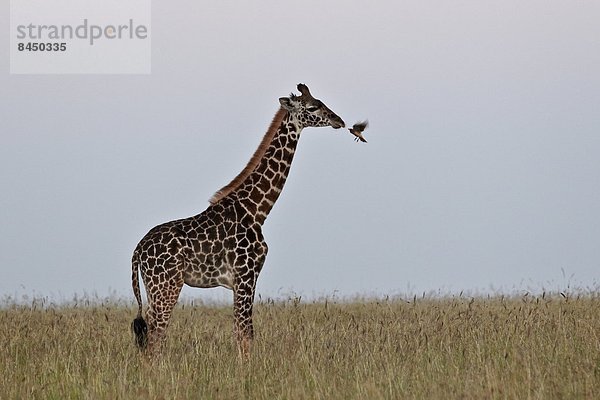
<point>286,103</point>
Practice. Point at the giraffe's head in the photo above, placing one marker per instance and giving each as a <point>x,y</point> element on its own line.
<point>310,111</point>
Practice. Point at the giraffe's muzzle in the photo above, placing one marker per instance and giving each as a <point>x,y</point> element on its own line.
<point>337,123</point>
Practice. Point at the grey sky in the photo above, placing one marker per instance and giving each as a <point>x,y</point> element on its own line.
<point>482,169</point>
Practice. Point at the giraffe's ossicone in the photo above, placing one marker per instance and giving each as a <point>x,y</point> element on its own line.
<point>224,245</point>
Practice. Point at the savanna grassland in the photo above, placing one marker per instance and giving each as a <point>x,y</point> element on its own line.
<point>469,348</point>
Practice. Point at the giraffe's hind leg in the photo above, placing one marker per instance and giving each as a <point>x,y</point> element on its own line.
<point>162,297</point>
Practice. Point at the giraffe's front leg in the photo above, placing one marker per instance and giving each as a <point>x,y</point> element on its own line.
<point>243,300</point>
<point>247,268</point>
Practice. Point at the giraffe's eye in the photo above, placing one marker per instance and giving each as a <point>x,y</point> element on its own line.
<point>312,108</point>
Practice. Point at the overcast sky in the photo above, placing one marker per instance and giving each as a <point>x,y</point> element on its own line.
<point>482,170</point>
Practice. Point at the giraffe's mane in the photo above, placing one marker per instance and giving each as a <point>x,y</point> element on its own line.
<point>254,161</point>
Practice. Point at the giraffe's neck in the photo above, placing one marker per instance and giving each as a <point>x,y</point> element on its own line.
<point>261,188</point>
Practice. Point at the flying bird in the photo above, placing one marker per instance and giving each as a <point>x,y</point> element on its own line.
<point>357,130</point>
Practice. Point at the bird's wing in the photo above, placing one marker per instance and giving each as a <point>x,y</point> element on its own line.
<point>360,126</point>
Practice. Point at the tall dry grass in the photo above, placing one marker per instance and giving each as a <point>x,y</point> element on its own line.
<point>527,347</point>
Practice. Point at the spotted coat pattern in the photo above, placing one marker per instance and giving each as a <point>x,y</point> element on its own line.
<point>224,245</point>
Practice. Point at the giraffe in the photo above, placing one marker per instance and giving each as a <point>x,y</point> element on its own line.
<point>224,245</point>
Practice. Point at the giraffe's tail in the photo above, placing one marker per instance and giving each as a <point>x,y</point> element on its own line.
<point>138,326</point>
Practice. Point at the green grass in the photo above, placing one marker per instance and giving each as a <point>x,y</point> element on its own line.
<point>518,348</point>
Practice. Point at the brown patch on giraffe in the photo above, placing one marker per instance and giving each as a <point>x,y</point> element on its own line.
<point>255,160</point>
